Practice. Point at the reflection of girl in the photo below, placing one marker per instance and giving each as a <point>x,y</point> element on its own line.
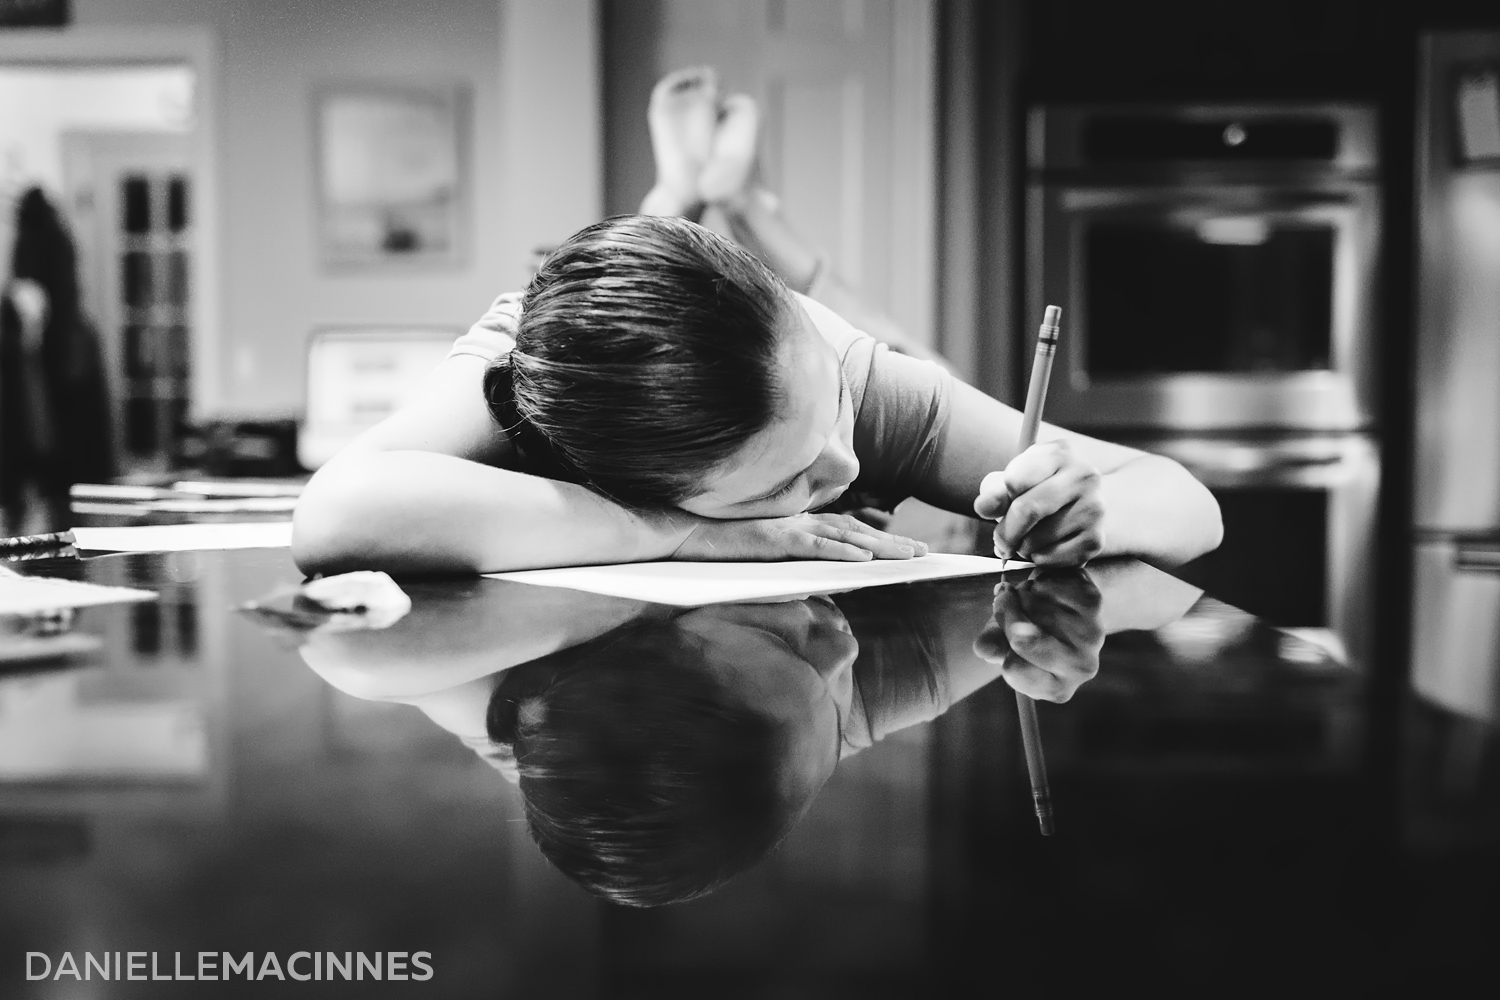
<point>660,752</point>
<point>54,410</point>
<point>660,392</point>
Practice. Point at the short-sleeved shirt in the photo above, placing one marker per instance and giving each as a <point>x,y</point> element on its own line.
<point>901,404</point>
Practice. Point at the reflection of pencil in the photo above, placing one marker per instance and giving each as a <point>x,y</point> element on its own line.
<point>29,543</point>
<point>1031,422</point>
<point>1036,765</point>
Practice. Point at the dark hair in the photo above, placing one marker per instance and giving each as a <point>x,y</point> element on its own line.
<point>645,357</point>
<point>643,780</point>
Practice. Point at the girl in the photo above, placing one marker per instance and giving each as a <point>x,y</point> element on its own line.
<point>660,392</point>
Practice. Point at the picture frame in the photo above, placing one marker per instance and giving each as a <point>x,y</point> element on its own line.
<point>1476,106</point>
<point>391,174</point>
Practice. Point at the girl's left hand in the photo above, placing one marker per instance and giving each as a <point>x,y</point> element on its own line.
<point>1048,505</point>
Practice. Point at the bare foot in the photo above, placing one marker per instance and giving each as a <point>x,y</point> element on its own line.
<point>682,116</point>
<point>731,160</point>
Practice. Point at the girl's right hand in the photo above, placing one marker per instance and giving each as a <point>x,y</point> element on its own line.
<point>837,537</point>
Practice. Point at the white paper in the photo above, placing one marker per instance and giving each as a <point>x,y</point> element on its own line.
<point>237,488</point>
<point>186,537</point>
<point>692,584</point>
<point>225,505</point>
<point>29,595</point>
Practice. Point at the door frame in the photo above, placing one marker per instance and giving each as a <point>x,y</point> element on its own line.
<point>197,48</point>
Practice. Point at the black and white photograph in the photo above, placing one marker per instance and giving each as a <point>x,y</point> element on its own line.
<point>749,499</point>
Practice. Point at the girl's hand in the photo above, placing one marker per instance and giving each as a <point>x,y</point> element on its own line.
<point>802,536</point>
<point>1048,505</point>
<point>1046,633</point>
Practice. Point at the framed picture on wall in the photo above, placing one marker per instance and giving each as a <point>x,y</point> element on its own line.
<point>392,178</point>
<point>1477,103</point>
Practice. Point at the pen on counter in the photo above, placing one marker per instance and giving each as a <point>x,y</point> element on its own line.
<point>1031,422</point>
<point>20,545</point>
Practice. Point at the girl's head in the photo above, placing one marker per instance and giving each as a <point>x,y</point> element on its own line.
<point>658,761</point>
<point>666,367</point>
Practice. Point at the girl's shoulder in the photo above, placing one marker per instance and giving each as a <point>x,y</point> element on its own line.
<point>855,348</point>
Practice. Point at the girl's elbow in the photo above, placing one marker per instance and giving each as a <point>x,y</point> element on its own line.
<point>316,547</point>
<point>324,539</point>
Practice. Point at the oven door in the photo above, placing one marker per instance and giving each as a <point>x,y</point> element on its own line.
<point>1299,531</point>
<point>1208,307</point>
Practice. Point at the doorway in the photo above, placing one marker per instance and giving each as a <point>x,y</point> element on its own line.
<point>115,127</point>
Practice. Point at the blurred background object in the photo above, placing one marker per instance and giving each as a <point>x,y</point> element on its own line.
<point>55,426</point>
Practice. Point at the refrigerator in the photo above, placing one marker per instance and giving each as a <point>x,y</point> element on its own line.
<point>1456,503</point>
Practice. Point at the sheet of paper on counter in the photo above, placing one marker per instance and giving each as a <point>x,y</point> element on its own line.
<point>186,537</point>
<point>692,584</point>
<point>29,595</point>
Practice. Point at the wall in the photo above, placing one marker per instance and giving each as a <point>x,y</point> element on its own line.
<point>532,68</point>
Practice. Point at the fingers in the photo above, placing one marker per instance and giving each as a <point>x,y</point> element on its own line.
<point>1046,648</point>
<point>1065,609</point>
<point>1049,497</point>
<point>821,546</point>
<point>1075,550</point>
<point>994,497</point>
<point>881,544</point>
<point>1036,683</point>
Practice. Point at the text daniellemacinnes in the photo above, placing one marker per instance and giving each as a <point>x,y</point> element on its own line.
<point>217,965</point>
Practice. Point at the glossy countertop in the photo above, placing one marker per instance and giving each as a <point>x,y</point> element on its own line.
<point>230,769</point>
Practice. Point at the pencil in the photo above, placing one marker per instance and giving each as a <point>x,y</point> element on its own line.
<point>1031,422</point>
<point>30,543</point>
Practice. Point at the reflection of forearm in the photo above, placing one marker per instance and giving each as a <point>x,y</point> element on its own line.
<point>1156,510</point>
<point>413,511</point>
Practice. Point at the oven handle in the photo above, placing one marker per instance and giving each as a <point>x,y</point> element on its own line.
<point>1477,555</point>
<point>1260,198</point>
<point>1316,464</point>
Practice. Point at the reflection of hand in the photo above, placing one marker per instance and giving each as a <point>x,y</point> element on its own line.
<point>801,536</point>
<point>1048,507</point>
<point>1046,632</point>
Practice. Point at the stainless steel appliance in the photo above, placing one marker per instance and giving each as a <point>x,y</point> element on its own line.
<point>1299,530</point>
<point>1216,268</point>
<point>1456,506</point>
<point>1215,264</point>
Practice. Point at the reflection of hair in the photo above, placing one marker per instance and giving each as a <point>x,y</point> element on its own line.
<point>645,357</point>
<point>644,781</point>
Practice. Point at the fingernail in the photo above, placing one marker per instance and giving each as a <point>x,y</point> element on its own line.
<point>1024,630</point>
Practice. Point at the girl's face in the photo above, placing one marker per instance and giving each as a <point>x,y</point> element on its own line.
<point>793,664</point>
<point>805,458</point>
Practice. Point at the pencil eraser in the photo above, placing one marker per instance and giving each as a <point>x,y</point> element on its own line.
<point>1053,317</point>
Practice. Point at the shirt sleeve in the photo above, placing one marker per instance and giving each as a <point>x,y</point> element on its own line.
<point>900,424</point>
<point>495,333</point>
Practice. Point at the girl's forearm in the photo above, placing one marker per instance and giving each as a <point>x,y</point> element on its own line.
<point>1156,510</point>
<point>416,512</point>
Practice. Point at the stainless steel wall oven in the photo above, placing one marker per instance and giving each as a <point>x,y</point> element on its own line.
<point>1215,265</point>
